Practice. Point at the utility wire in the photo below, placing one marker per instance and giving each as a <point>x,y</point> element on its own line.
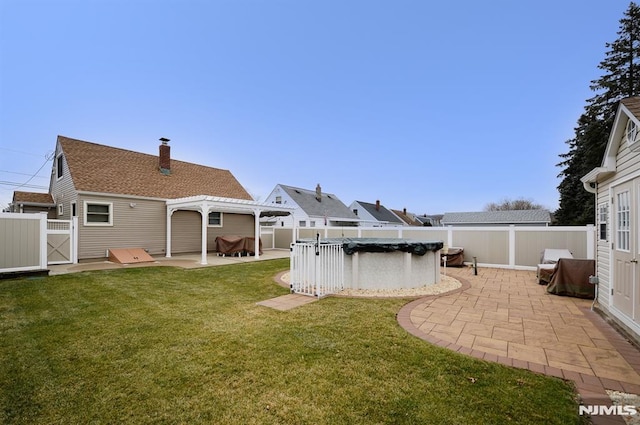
<point>21,174</point>
<point>16,185</point>
<point>22,152</point>
<point>48,158</point>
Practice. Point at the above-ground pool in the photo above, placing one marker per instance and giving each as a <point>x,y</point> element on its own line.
<point>380,263</point>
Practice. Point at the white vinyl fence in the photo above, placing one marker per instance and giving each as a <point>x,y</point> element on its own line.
<point>513,247</point>
<point>316,269</point>
<point>31,242</point>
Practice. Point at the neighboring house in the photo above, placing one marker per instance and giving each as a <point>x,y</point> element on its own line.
<point>313,208</point>
<point>430,220</point>
<point>375,215</point>
<point>408,218</point>
<point>616,185</point>
<point>498,218</point>
<point>33,202</point>
<point>127,199</point>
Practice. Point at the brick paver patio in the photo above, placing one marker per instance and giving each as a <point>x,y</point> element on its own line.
<point>505,316</point>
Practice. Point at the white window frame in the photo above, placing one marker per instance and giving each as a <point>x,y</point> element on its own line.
<point>209,219</point>
<point>623,223</point>
<point>59,167</point>
<point>603,219</point>
<point>60,210</point>
<point>632,135</point>
<point>302,223</point>
<point>98,224</point>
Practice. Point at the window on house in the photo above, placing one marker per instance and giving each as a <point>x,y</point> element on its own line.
<point>355,211</point>
<point>215,219</point>
<point>632,131</point>
<point>623,221</point>
<point>278,199</point>
<point>302,223</point>
<point>59,162</point>
<point>98,214</point>
<point>603,218</point>
<point>60,210</point>
<point>312,224</point>
<point>632,134</point>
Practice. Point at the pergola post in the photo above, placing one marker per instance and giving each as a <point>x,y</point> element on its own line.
<point>168,233</point>
<point>204,211</point>
<point>256,232</point>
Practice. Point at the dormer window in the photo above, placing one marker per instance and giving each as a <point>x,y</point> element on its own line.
<point>633,140</point>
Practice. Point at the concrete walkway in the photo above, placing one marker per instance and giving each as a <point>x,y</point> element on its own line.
<point>504,316</point>
<point>187,261</point>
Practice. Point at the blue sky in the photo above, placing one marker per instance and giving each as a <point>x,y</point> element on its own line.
<point>431,106</point>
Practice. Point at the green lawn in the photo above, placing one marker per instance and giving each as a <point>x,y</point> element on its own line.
<point>167,345</point>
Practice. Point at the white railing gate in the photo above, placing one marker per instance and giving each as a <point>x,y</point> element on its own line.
<point>316,269</point>
<point>62,241</point>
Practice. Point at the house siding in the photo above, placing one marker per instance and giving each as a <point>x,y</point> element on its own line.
<point>62,190</point>
<point>137,223</point>
<point>186,230</point>
<point>627,167</point>
<point>287,201</point>
<point>232,224</point>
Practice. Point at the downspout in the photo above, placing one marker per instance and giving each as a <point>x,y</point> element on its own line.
<point>592,187</point>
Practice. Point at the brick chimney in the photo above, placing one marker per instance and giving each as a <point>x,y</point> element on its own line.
<point>318,193</point>
<point>165,156</point>
<point>378,205</point>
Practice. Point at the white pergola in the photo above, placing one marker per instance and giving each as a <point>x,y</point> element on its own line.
<point>206,204</point>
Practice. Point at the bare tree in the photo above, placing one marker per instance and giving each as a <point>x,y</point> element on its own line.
<point>516,204</point>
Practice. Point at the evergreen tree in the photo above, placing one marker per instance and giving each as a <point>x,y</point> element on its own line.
<point>621,79</point>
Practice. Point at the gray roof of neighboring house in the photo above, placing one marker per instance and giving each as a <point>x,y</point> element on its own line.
<point>328,206</point>
<point>428,218</point>
<point>498,217</point>
<point>381,214</point>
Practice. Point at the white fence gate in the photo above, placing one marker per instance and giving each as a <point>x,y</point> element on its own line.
<point>30,242</point>
<point>61,241</point>
<point>316,269</point>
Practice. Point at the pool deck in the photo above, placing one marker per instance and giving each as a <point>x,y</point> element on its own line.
<point>505,316</point>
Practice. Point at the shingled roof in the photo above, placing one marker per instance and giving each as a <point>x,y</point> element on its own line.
<point>32,198</point>
<point>328,206</point>
<point>380,212</point>
<point>104,169</point>
<point>633,105</point>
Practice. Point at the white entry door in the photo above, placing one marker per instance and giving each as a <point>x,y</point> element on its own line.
<point>626,288</point>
